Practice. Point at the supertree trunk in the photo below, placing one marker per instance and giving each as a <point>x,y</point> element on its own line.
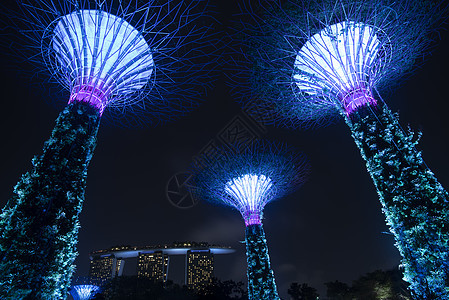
<point>39,225</point>
<point>261,283</point>
<point>414,202</point>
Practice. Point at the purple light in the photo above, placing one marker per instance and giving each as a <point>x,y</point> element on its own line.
<point>357,98</point>
<point>252,218</point>
<point>89,94</point>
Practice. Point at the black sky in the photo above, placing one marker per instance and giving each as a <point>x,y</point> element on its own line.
<point>332,228</point>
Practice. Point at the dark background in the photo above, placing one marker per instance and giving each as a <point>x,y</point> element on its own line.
<point>332,228</point>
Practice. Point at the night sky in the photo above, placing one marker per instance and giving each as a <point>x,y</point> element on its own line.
<point>330,229</point>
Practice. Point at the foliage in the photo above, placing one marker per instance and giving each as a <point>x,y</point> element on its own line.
<point>131,287</point>
<point>377,285</point>
<point>415,204</point>
<point>302,292</point>
<point>337,290</point>
<point>261,284</point>
<point>224,290</point>
<point>39,225</point>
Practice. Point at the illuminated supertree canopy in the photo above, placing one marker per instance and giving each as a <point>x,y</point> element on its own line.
<point>142,62</point>
<point>84,291</point>
<point>137,62</point>
<point>247,180</point>
<point>318,59</point>
<point>100,57</point>
<point>336,61</point>
<point>311,61</point>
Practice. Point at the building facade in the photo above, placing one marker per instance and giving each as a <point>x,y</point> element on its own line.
<point>199,269</point>
<point>153,265</point>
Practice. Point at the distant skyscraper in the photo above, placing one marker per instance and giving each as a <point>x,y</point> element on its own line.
<point>105,267</point>
<point>199,268</point>
<point>153,265</point>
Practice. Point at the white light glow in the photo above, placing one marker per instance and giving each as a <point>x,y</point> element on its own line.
<point>84,291</point>
<point>102,51</point>
<point>249,193</point>
<point>339,58</point>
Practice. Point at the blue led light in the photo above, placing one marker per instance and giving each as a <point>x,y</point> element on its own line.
<point>84,291</point>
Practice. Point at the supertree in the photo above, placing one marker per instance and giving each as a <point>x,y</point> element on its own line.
<point>143,60</point>
<point>310,61</point>
<point>84,291</point>
<point>248,180</point>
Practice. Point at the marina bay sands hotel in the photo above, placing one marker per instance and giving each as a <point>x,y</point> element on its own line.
<point>153,262</point>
